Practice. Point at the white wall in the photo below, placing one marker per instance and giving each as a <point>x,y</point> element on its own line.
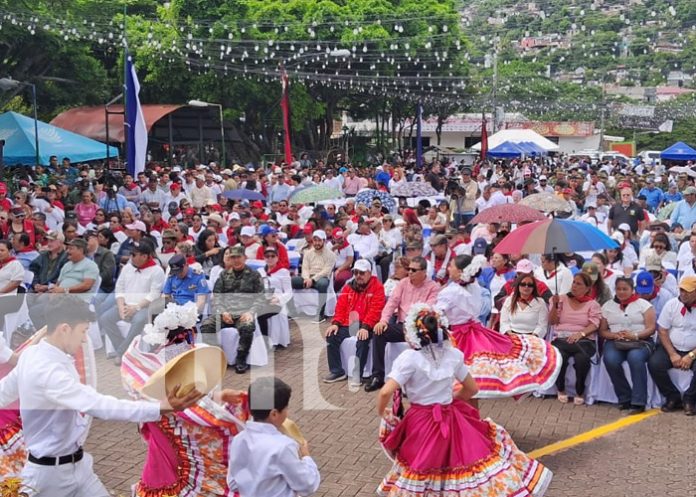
<point>570,144</point>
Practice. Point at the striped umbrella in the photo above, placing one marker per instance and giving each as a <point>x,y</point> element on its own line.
<point>554,236</point>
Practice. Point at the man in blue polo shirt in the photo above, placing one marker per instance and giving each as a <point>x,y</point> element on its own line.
<point>184,284</point>
<point>653,195</point>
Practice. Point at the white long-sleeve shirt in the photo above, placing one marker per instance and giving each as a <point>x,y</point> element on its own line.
<point>367,246</point>
<point>134,285</point>
<point>53,402</point>
<point>460,304</point>
<point>5,350</point>
<point>265,463</point>
<point>559,283</point>
<point>391,239</point>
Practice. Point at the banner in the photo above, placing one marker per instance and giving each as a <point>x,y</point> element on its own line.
<point>136,130</point>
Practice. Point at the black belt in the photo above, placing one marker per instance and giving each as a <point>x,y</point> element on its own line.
<point>56,461</point>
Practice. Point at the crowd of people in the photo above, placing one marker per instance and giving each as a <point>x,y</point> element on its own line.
<point>235,246</point>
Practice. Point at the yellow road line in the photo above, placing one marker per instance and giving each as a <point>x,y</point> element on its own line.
<point>593,434</point>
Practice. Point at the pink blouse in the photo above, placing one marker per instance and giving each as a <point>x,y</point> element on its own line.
<point>85,213</point>
<point>572,320</point>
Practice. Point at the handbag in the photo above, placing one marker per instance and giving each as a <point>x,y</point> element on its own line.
<point>623,345</point>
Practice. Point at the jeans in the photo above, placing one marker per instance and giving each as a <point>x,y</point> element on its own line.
<point>659,365</point>
<point>384,262</point>
<point>393,334</point>
<point>333,351</point>
<point>107,324</point>
<point>321,285</point>
<point>461,220</point>
<point>582,352</point>
<point>637,362</point>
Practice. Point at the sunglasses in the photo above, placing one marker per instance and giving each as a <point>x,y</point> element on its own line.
<point>527,285</point>
<point>357,272</point>
<point>414,269</point>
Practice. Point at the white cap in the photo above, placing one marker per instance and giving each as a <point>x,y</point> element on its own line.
<point>618,237</point>
<point>248,231</point>
<point>321,234</point>
<point>624,227</point>
<point>524,266</point>
<point>363,265</point>
<point>234,215</point>
<point>542,177</point>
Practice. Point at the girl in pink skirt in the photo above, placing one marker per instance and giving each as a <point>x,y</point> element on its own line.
<point>442,447</point>
<point>502,365</point>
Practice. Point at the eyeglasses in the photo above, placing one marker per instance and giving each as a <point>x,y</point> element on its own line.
<point>527,285</point>
<point>414,269</point>
<point>270,256</point>
<point>357,272</point>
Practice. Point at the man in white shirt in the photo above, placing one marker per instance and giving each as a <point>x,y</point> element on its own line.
<point>55,407</point>
<point>138,286</point>
<point>263,461</point>
<point>200,193</point>
<point>677,348</point>
<point>365,243</point>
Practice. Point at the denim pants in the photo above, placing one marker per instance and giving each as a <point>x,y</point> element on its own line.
<point>659,365</point>
<point>637,362</point>
<point>333,351</point>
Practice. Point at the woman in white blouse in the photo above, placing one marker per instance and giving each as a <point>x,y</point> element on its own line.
<point>11,277</point>
<point>524,311</point>
<point>390,240</point>
<point>628,324</point>
<point>278,288</point>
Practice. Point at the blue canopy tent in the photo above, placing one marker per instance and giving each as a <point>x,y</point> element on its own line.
<point>533,148</point>
<point>678,151</point>
<point>18,132</point>
<point>506,150</point>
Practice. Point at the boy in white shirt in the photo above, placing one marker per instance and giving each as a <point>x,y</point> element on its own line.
<point>263,461</point>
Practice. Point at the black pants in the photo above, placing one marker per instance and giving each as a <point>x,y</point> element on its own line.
<point>384,262</point>
<point>659,365</point>
<point>263,318</point>
<point>393,334</point>
<point>214,323</point>
<point>582,352</point>
<point>333,352</point>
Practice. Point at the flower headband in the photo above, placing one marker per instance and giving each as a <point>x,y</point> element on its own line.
<point>415,331</point>
<point>174,316</point>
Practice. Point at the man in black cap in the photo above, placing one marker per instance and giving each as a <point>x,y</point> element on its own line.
<point>184,284</point>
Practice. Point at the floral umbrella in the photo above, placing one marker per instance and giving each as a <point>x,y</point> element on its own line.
<point>367,196</point>
<point>511,213</point>
<point>546,202</point>
<point>314,194</point>
<point>414,189</point>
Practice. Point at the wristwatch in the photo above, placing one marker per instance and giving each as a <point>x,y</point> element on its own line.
<point>692,355</point>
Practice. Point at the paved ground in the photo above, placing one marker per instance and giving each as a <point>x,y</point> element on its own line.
<point>654,457</point>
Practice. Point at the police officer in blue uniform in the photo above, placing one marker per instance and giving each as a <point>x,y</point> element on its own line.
<point>184,284</point>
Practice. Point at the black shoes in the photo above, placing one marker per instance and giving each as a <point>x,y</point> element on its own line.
<point>335,378</point>
<point>672,405</point>
<point>241,368</point>
<point>374,384</point>
<point>636,410</point>
<point>690,409</point>
<point>625,406</point>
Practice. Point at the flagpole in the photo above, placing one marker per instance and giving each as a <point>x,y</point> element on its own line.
<point>125,79</point>
<point>419,136</point>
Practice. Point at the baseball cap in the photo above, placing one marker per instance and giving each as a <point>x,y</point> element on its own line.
<point>257,204</point>
<point>321,234</point>
<point>270,249</point>
<point>137,225</point>
<point>415,245</point>
<point>480,246</point>
<point>308,229</point>
<point>688,283</point>
<point>624,227</point>
<point>618,237</point>
<point>174,186</point>
<point>267,230</point>
<point>177,263</point>
<point>690,190</point>
<point>542,178</point>
<point>78,242</point>
<point>237,251</point>
<point>248,231</point>
<point>216,218</point>
<point>362,265</point>
<point>645,283</point>
<point>168,233</point>
<point>226,172</point>
<point>524,266</point>
<point>55,235</point>
<point>337,233</point>
<point>653,263</point>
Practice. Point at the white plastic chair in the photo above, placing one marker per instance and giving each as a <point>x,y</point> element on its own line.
<point>279,330</point>
<point>307,300</point>
<point>93,330</point>
<point>349,359</point>
<point>602,390</point>
<point>229,342</point>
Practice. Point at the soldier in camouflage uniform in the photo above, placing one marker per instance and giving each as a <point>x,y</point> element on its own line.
<point>237,297</point>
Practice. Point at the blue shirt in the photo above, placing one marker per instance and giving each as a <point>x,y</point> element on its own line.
<point>118,203</point>
<point>673,197</point>
<point>186,289</point>
<point>279,192</point>
<point>653,197</point>
<point>684,214</point>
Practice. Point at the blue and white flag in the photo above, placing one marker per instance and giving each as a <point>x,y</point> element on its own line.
<point>136,130</point>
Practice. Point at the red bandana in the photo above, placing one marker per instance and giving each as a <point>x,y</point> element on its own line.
<point>7,261</point>
<point>685,308</point>
<point>625,303</point>
<point>149,263</point>
<point>607,273</point>
<point>502,271</point>
<point>583,299</point>
<point>277,268</point>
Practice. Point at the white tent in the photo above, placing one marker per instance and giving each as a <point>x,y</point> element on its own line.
<point>518,136</point>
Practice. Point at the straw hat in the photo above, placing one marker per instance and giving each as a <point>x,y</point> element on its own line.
<point>291,429</point>
<point>201,368</point>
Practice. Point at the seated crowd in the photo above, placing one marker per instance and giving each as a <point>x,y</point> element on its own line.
<point>129,246</point>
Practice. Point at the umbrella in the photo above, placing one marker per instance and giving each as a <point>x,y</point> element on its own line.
<point>243,194</point>
<point>313,194</point>
<point>683,169</point>
<point>554,236</point>
<point>666,211</point>
<point>414,189</point>
<point>546,202</point>
<point>367,196</point>
<point>512,213</point>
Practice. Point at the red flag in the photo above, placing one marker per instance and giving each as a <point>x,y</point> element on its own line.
<point>484,137</point>
<point>285,106</point>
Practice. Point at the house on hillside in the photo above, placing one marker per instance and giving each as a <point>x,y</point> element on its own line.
<point>679,79</point>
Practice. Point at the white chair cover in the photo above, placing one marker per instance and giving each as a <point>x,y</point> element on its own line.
<point>391,352</point>
<point>279,330</point>
<point>349,359</point>
<point>306,301</point>
<point>229,342</point>
<point>123,327</point>
<point>602,390</point>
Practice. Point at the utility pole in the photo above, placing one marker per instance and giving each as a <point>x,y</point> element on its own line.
<point>602,115</point>
<point>495,83</point>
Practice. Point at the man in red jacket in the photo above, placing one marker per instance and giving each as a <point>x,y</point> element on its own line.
<point>358,309</point>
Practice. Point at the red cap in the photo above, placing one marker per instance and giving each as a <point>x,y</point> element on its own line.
<point>215,207</point>
<point>567,191</point>
<point>190,211</point>
<point>337,233</point>
<point>174,185</point>
<point>3,188</point>
<point>258,204</point>
<point>308,229</point>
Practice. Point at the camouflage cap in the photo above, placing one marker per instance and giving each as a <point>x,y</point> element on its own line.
<point>236,251</point>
